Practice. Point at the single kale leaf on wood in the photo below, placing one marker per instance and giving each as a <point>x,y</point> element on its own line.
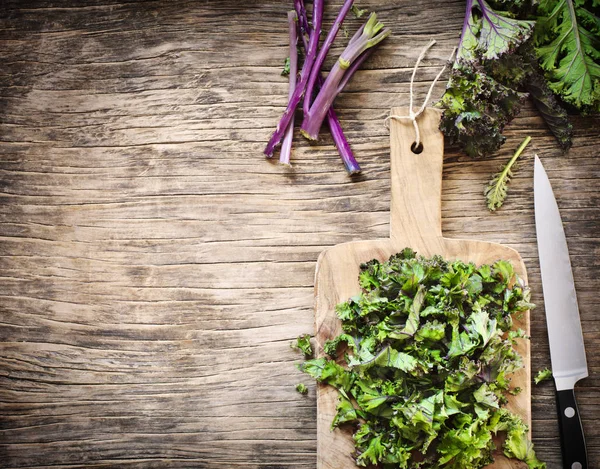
<point>542,375</point>
<point>427,363</point>
<point>496,190</point>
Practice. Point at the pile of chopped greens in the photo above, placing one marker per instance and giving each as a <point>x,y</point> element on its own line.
<point>510,49</point>
<point>427,356</point>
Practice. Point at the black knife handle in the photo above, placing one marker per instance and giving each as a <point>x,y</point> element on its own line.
<point>574,453</point>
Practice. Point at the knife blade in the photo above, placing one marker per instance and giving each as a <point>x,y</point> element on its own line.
<point>567,351</point>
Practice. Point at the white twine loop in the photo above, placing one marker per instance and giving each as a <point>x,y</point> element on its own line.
<point>412,115</point>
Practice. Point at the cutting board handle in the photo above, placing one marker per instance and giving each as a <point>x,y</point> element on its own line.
<point>416,211</point>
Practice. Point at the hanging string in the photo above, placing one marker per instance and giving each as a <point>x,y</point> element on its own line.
<point>412,115</point>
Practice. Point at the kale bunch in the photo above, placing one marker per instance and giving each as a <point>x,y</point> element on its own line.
<point>428,351</point>
<point>498,66</point>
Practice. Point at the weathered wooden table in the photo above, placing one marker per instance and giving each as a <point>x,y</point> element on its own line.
<point>155,268</point>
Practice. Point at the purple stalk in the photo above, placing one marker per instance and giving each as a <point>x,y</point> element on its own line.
<point>286,146</point>
<point>353,68</point>
<point>357,34</point>
<point>313,119</point>
<point>341,143</point>
<point>316,70</point>
<point>370,36</point>
<point>311,53</point>
<point>335,127</point>
<point>302,20</point>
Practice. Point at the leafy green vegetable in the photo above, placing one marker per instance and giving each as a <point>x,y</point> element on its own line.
<point>480,101</point>
<point>301,388</point>
<point>495,192</point>
<point>345,412</point>
<point>518,446</point>
<point>303,343</point>
<point>554,115</point>
<point>428,356</point>
<point>567,39</point>
<point>286,67</point>
<point>542,375</point>
<point>489,34</point>
<point>496,68</point>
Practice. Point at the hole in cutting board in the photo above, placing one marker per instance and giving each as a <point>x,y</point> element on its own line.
<point>416,149</point>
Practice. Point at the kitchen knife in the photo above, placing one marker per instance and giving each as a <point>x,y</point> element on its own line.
<point>567,351</point>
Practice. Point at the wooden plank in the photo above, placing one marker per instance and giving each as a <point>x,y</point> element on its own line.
<point>154,268</point>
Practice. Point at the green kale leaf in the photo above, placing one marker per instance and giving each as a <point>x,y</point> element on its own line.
<point>286,67</point>
<point>517,445</point>
<point>303,344</point>
<point>567,39</point>
<point>552,112</point>
<point>345,412</point>
<point>496,190</point>
<point>488,34</point>
<point>542,375</point>
<point>301,388</point>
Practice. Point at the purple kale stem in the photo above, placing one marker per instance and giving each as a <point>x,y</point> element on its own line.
<point>335,127</point>
<point>311,53</point>
<point>302,19</point>
<point>316,70</point>
<point>370,37</point>
<point>286,146</point>
<point>353,68</point>
<point>357,34</point>
<point>314,118</point>
<point>341,143</point>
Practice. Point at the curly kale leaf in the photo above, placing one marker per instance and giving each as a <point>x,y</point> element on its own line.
<point>345,412</point>
<point>523,72</point>
<point>483,92</point>
<point>301,388</point>
<point>554,114</point>
<point>517,445</point>
<point>477,107</point>
<point>567,39</point>
<point>542,375</point>
<point>303,344</point>
<point>497,66</point>
<point>331,346</point>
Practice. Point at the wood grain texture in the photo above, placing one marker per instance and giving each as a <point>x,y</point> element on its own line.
<point>415,222</point>
<point>154,268</point>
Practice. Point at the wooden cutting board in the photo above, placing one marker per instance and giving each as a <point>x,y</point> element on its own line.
<point>415,222</point>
